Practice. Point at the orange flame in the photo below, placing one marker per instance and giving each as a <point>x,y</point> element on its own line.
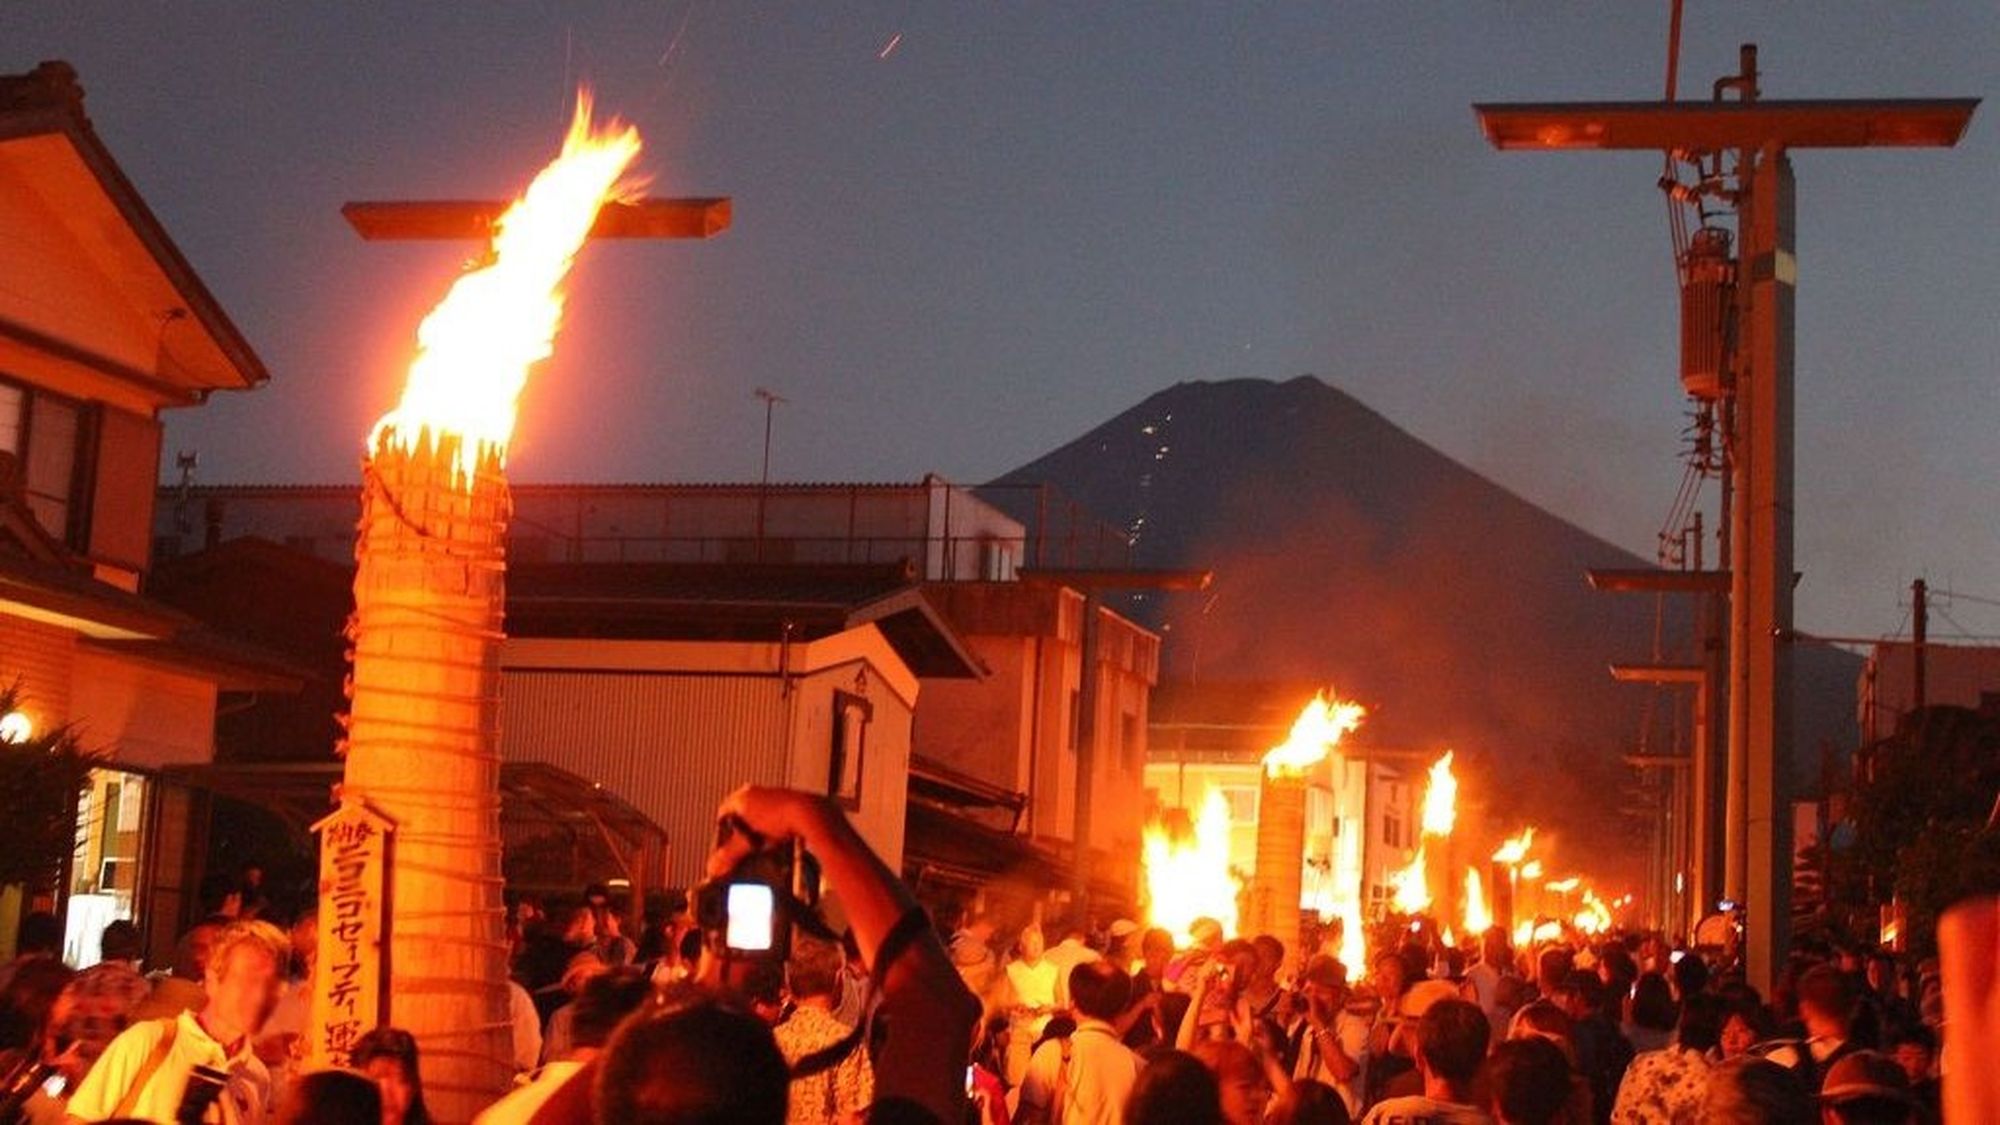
<point>1190,878</point>
<point>1441,798</point>
<point>1516,849</point>
<point>1411,886</point>
<point>1531,869</point>
<point>475,349</point>
<point>1478,919</point>
<point>1315,733</point>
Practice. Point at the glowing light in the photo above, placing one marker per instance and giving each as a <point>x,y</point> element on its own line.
<point>475,349</point>
<point>1531,869</point>
<point>1524,933</point>
<point>1563,886</point>
<point>1594,917</point>
<point>1412,894</point>
<point>1516,849</point>
<point>1315,733</point>
<point>1478,919</point>
<point>1441,798</point>
<point>16,727</point>
<point>1189,878</point>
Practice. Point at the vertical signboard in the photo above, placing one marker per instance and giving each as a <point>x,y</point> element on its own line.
<point>347,978</point>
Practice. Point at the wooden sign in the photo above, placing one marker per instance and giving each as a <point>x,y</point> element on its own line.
<point>348,975</point>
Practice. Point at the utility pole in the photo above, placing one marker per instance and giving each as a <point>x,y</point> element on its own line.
<point>770,399</point>
<point>1920,628</point>
<point>1756,391</point>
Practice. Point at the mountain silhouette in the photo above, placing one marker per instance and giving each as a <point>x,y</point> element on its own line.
<point>1348,552</point>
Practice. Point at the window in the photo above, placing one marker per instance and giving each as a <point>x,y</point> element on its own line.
<point>1129,743</point>
<point>1075,716</point>
<point>1392,827</point>
<point>49,439</point>
<point>850,743</point>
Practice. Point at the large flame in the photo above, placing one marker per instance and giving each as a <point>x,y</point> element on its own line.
<point>1441,798</point>
<point>476,347</point>
<point>1412,886</point>
<point>1531,870</point>
<point>1478,919</point>
<point>1594,917</point>
<point>1316,731</point>
<point>1189,878</point>
<point>1516,849</point>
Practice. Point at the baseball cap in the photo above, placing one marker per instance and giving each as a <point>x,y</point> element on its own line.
<point>1123,927</point>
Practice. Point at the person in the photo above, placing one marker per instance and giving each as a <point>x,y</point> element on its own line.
<point>181,989</point>
<point>1087,1079</point>
<point>1388,979</point>
<point>251,901</point>
<point>1265,994</point>
<point>1914,1048</point>
<point>1310,1103</point>
<point>1067,954</point>
<point>1602,1051</point>
<point>1175,1088</point>
<point>1650,1014</point>
<point>845,1086</point>
<point>557,956</point>
<point>1552,968</point>
<point>145,1070</point>
<point>925,1017</point>
<point>972,953</point>
<point>603,1004</point>
<point>1866,1088</point>
<point>1138,1025</point>
<point>39,939</point>
<point>524,1027</point>
<point>1665,1086</point>
<point>1542,1019</point>
<point>1751,1091</point>
<point>1206,941</point>
<point>582,970</point>
<point>1246,1087</point>
<point>1487,980</point>
<point>1217,1005</point>
<point>1328,1041</point>
<point>613,948</point>
<point>33,1008</point>
<point>1031,1000</point>
<point>1745,1024</point>
<point>330,1097</point>
<point>1529,1081</point>
<point>1451,1040</point>
<point>387,1056</point>
<point>1826,999</point>
<point>105,996</point>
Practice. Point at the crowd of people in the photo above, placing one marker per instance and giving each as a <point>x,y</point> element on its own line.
<point>902,1014</point>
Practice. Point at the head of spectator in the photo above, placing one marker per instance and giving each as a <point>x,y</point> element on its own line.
<point>575,924</point>
<point>1123,949</point>
<point>1581,994</point>
<point>1099,990</point>
<point>1617,968</point>
<point>1156,950</point>
<point>1653,1004</point>
<point>1529,1081</point>
<point>1495,949</point>
<point>1543,1019</point>
<point>1239,1077</point>
<point>1030,946</point>
<point>304,936</point>
<point>1745,1023</point>
<point>1915,1050</point>
<point>1309,1102</point>
<point>1175,1088</point>
<point>813,974</point>
<point>192,951</point>
<point>1323,987</point>
<point>1451,1041</point>
<point>1883,979</point>
<point>1552,968</point>
<point>1270,958</point>
<point>1826,1002</point>
<point>1206,934</point>
<point>1690,975</point>
<point>388,1056</point>
<point>1390,976</point>
<point>31,1003</point>
<point>693,1062</point>
<point>1700,1026</point>
<point>40,935</point>
<point>1754,1091</point>
<point>243,979</point>
<point>602,1006</point>
<point>330,1097</point>
<point>1241,958</point>
<point>1866,1088</point>
<point>121,942</point>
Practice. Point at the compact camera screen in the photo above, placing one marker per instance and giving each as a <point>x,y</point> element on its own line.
<point>752,913</point>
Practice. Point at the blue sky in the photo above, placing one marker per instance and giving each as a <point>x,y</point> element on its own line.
<point>1026,217</point>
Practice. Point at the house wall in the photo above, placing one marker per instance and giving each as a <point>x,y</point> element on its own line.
<point>1957,675</point>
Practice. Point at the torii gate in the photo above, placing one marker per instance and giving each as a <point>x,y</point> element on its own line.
<point>1758,376</point>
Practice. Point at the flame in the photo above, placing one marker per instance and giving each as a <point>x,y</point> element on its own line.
<point>1563,886</point>
<point>1478,919</point>
<point>1441,798</point>
<point>1317,730</point>
<point>1412,890</point>
<point>1189,878</point>
<point>475,349</point>
<point>1531,869</point>
<point>1524,933</point>
<point>1594,917</point>
<point>1516,849</point>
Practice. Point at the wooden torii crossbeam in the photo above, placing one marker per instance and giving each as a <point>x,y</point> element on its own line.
<point>1758,850</point>
<point>418,220</point>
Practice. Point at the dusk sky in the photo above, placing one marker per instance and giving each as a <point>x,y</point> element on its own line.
<point>966,233</point>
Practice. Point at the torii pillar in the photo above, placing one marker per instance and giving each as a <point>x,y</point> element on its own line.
<point>1758,846</point>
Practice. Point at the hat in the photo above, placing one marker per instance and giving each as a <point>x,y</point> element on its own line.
<point>1123,927</point>
<point>1864,1074</point>
<point>1205,930</point>
<point>1325,971</point>
<point>1425,994</point>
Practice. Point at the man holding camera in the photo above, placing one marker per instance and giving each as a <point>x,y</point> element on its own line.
<point>1087,1078</point>
<point>167,1070</point>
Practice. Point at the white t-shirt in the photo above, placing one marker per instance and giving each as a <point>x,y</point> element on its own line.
<point>1101,1074</point>
<point>244,1101</point>
<point>1350,1033</point>
<point>520,1104</point>
<point>1034,987</point>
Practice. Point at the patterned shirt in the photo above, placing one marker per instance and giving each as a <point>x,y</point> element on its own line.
<point>106,995</point>
<point>847,1087</point>
<point>1662,1088</point>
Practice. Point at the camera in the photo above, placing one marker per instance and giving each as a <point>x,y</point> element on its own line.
<point>750,912</point>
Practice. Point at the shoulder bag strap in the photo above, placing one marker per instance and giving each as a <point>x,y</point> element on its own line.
<point>151,1067</point>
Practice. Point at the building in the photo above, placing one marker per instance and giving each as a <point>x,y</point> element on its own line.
<point>104,326</point>
<point>1362,812</point>
<point>1956,675</point>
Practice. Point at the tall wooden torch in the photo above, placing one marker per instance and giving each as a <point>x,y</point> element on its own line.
<point>422,747</point>
<point>1277,885</point>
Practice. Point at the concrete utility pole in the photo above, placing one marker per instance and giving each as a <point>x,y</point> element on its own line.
<point>1920,630</point>
<point>1757,384</point>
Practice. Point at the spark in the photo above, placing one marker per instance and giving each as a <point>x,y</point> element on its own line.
<point>889,47</point>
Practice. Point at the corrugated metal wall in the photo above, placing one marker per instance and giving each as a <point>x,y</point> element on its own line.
<point>39,657</point>
<point>671,746</point>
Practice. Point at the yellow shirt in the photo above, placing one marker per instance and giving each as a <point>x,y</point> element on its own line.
<point>245,1101</point>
